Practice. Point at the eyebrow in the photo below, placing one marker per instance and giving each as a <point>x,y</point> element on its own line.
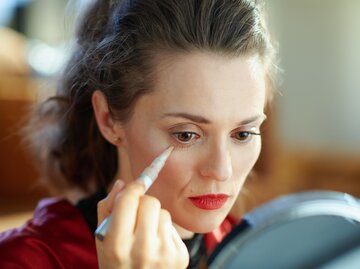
<point>200,119</point>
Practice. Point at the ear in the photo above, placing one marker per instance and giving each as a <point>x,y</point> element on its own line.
<point>108,127</point>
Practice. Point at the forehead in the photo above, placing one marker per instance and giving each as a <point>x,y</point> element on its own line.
<point>209,85</point>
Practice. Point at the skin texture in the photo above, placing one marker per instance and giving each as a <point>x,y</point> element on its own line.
<point>203,104</point>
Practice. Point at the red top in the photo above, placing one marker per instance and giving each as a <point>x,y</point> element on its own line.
<point>58,237</point>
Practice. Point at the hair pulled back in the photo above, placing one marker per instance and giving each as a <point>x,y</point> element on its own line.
<point>115,49</point>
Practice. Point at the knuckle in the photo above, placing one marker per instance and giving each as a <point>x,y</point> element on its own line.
<point>136,188</point>
<point>128,196</point>
<point>181,260</point>
<point>165,215</point>
<point>151,201</point>
<point>184,263</point>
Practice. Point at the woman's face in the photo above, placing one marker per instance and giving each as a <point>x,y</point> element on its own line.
<point>206,106</point>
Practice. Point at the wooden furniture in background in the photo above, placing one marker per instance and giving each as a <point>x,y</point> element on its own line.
<point>302,171</point>
<point>19,188</point>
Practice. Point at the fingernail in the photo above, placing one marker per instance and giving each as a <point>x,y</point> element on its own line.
<point>138,180</point>
<point>118,184</point>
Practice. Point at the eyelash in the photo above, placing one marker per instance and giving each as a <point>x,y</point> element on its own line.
<point>182,143</point>
<point>249,136</point>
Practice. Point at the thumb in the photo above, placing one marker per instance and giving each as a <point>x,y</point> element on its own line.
<point>104,207</point>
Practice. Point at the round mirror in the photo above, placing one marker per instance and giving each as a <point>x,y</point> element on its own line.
<point>303,230</point>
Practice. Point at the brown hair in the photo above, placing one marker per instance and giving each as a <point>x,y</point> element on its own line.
<point>116,45</point>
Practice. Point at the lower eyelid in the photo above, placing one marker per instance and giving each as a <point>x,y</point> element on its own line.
<point>178,144</point>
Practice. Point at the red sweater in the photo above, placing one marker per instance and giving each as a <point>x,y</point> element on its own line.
<point>58,237</point>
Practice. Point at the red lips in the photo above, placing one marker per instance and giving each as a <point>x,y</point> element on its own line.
<point>210,201</point>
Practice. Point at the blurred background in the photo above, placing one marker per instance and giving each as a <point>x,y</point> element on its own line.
<point>312,137</point>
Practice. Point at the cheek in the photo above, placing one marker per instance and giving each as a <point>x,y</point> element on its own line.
<point>142,147</point>
<point>175,176</point>
<point>244,161</point>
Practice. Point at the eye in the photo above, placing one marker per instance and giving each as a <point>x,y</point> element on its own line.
<point>244,136</point>
<point>185,137</point>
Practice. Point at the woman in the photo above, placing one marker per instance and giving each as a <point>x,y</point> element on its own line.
<point>146,75</point>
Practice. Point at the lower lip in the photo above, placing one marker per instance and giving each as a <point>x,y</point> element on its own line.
<point>209,202</point>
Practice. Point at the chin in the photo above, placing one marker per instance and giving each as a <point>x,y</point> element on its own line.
<point>203,224</point>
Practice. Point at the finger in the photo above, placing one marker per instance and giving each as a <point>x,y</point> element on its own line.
<point>165,229</point>
<point>105,206</point>
<point>176,237</point>
<point>165,232</point>
<point>147,223</point>
<point>124,213</point>
<point>180,246</point>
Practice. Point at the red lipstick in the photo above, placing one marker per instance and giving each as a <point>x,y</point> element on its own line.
<point>209,201</point>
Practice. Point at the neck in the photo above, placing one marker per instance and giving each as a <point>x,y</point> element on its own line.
<point>124,170</point>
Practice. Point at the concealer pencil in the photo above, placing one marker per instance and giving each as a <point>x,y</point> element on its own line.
<point>147,177</point>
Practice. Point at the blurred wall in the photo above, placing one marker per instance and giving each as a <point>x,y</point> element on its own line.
<point>319,109</point>
<point>47,21</point>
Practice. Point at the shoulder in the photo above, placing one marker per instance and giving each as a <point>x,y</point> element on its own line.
<point>56,237</point>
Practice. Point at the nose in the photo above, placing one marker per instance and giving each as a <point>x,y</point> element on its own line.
<point>217,164</point>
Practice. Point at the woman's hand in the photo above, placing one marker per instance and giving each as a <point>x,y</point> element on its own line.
<point>140,233</point>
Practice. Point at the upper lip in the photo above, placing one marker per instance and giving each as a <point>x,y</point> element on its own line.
<point>211,196</point>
